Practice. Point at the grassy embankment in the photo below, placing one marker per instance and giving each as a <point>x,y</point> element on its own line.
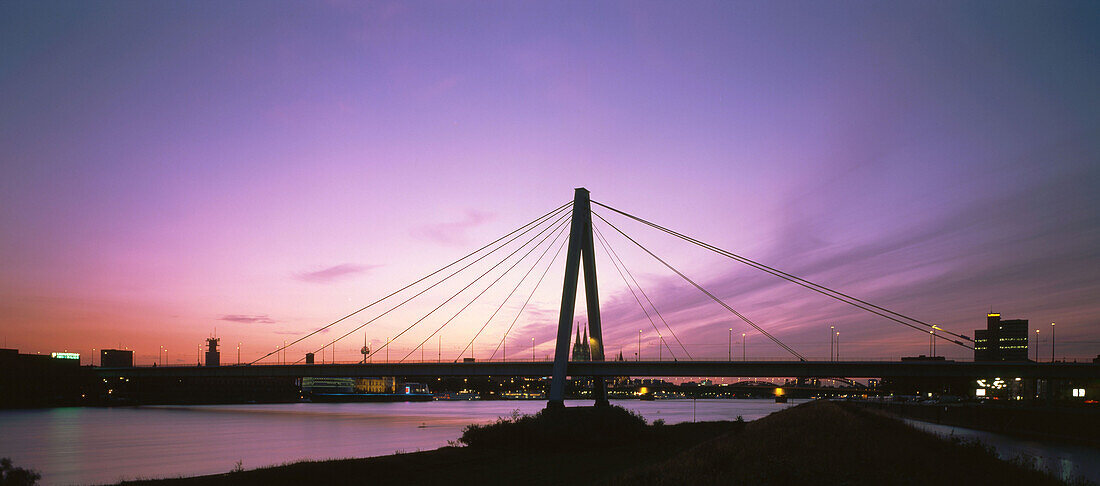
<point>814,443</point>
<point>1069,423</point>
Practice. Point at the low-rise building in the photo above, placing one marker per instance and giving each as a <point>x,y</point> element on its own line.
<point>116,358</point>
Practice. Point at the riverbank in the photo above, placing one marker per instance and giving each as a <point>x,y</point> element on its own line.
<point>835,443</point>
<point>815,443</point>
<point>1078,424</point>
<point>591,459</point>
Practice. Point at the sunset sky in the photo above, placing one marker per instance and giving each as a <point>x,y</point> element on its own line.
<point>266,168</point>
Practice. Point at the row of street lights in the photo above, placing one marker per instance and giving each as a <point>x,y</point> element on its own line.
<point>661,343</point>
<point>729,352</point>
<point>1051,344</point>
<point>834,347</point>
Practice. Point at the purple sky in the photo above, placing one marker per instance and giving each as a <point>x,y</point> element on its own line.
<point>169,168</point>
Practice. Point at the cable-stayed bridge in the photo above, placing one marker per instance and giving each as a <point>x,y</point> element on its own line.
<point>547,235</point>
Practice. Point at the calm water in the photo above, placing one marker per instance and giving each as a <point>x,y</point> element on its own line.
<point>104,445</point>
<point>1063,460</point>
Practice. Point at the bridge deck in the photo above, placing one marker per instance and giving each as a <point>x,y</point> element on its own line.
<point>850,369</point>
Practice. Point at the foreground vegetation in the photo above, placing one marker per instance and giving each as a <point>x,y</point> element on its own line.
<point>10,475</point>
<point>826,443</point>
<point>815,443</point>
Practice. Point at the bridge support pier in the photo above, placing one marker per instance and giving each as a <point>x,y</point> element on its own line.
<point>581,250</point>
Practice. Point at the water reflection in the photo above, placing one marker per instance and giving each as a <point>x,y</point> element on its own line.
<point>99,445</point>
<point>1064,461</point>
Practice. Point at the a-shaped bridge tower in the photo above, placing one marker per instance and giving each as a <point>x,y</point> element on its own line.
<point>581,249</point>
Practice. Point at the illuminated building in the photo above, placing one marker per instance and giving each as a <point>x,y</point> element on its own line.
<point>376,385</point>
<point>349,385</point>
<point>328,385</point>
<point>1001,340</point>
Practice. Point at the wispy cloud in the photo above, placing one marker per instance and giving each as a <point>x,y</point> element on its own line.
<point>299,333</point>
<point>1000,249</point>
<point>454,233</point>
<point>247,319</point>
<point>333,273</point>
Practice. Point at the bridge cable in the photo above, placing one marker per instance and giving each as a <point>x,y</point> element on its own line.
<point>468,265</point>
<point>463,289</point>
<point>296,341</point>
<point>524,306</point>
<point>606,248</point>
<point>640,289</point>
<point>705,291</point>
<point>821,289</point>
<point>514,289</point>
<point>559,228</point>
<point>786,276</point>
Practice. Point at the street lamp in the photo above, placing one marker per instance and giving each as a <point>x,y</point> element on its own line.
<point>743,357</point>
<point>838,345</point>
<point>729,352</point>
<point>1036,345</point>
<point>639,344</point>
<point>238,354</point>
<point>532,350</point>
<point>934,329</point>
<point>832,329</point>
<point>1052,342</point>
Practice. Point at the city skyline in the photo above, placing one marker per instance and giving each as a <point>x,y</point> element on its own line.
<point>170,171</point>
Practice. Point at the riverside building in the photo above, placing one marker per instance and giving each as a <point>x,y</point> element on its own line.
<point>1001,340</point>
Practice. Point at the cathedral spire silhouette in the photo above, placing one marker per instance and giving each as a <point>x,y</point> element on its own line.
<point>582,348</point>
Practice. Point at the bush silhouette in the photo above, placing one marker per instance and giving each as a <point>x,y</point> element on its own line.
<point>559,428</point>
<point>16,476</point>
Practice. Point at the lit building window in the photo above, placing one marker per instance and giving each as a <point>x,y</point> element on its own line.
<point>980,392</point>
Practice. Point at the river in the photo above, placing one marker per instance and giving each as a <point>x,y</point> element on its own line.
<point>1065,461</point>
<point>106,445</point>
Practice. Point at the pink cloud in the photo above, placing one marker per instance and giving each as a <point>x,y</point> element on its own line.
<point>247,319</point>
<point>454,233</point>
<point>333,273</point>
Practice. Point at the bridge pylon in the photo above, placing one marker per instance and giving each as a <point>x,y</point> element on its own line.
<point>581,250</point>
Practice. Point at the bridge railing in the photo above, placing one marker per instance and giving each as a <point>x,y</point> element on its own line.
<point>545,359</point>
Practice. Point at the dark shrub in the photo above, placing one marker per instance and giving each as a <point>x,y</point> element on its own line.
<point>559,428</point>
<point>16,476</point>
